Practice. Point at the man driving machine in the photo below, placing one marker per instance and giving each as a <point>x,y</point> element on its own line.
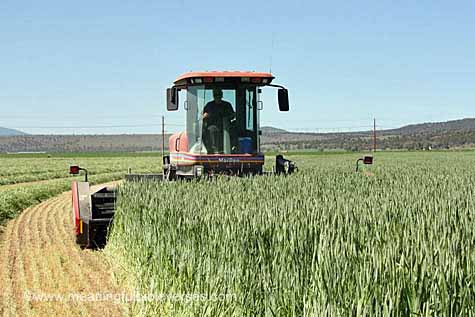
<point>215,114</point>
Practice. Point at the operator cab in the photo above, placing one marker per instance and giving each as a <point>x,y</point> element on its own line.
<point>222,122</point>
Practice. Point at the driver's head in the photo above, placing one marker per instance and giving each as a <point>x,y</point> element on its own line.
<point>217,94</point>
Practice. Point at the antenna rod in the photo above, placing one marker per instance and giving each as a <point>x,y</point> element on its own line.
<point>271,53</point>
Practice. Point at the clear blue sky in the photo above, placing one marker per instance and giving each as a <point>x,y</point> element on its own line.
<point>108,63</point>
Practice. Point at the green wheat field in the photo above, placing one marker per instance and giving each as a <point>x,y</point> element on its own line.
<point>398,238</point>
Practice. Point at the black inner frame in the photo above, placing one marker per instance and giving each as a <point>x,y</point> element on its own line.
<point>239,130</point>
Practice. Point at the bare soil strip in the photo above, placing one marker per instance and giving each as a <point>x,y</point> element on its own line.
<point>44,273</point>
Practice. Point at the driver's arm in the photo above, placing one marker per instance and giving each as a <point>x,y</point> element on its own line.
<point>206,112</point>
<point>229,113</point>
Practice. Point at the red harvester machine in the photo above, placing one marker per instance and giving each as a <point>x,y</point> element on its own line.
<point>222,137</point>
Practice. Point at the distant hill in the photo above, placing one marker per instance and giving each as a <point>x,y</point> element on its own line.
<point>10,132</point>
<point>467,124</point>
<point>437,135</point>
<point>272,130</point>
<point>81,143</point>
<point>431,135</point>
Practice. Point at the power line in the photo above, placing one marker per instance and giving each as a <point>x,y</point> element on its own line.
<point>99,126</point>
<point>340,129</point>
<point>75,116</point>
<point>320,129</point>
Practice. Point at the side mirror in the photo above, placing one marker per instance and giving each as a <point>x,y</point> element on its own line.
<point>283,96</point>
<point>172,99</point>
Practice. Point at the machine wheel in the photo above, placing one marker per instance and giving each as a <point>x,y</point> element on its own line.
<point>169,173</point>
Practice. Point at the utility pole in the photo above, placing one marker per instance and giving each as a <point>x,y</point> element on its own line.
<point>163,137</point>
<point>374,135</point>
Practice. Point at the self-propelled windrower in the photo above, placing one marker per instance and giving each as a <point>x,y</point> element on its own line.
<point>222,136</point>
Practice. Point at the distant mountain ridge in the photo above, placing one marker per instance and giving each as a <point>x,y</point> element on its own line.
<point>10,132</point>
<point>433,135</point>
<point>271,130</point>
<point>467,124</point>
<point>429,135</point>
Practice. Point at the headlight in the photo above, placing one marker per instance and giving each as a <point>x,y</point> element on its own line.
<point>198,171</point>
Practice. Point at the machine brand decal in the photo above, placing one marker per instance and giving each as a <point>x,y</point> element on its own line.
<point>189,159</point>
<point>228,160</point>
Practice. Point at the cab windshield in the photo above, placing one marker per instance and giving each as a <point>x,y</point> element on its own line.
<point>222,120</point>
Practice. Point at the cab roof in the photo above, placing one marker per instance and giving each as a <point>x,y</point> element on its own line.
<point>222,74</point>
